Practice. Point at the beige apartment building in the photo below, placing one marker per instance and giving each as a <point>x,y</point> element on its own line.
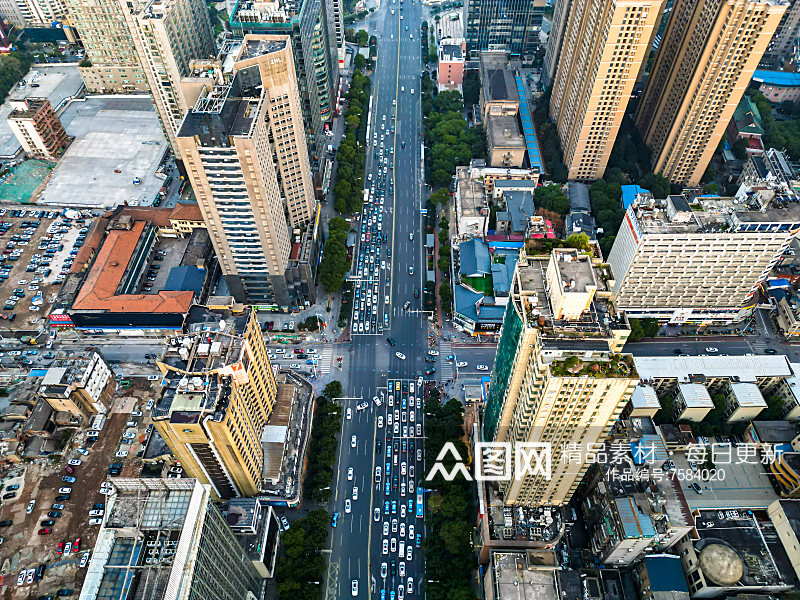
<point>604,45</point>
<point>697,260</point>
<point>167,34</point>
<point>115,65</point>
<point>558,378</point>
<point>220,395</point>
<point>227,142</point>
<point>704,63</point>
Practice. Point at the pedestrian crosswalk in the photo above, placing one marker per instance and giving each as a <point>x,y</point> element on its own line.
<point>447,367</point>
<point>326,360</point>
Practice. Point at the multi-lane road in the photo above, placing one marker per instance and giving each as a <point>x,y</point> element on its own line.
<point>373,365</point>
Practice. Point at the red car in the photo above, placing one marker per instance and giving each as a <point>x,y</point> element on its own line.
<point>45,531</point>
<point>60,548</point>
<point>76,547</point>
<point>298,350</point>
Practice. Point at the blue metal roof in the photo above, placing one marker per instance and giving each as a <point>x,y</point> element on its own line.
<point>665,573</point>
<point>782,78</point>
<point>629,194</point>
<point>635,524</point>
<point>474,258</point>
<point>534,157</point>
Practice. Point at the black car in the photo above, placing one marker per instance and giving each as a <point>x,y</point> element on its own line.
<point>393,568</point>
<point>430,371</point>
<point>416,293</point>
<point>46,597</point>
<point>54,514</point>
<point>9,496</point>
<point>62,497</point>
<point>39,573</point>
<point>47,523</point>
<point>64,592</point>
<point>430,359</point>
<point>6,523</point>
<point>391,341</point>
<point>378,446</point>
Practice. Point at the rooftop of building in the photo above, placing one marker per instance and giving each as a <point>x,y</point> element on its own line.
<point>775,432</point>
<point>575,270</point>
<point>224,111</point>
<point>748,395</point>
<point>777,78</point>
<point>280,14</point>
<point>254,525</point>
<point>450,51</point>
<point>504,132</point>
<point>686,368</point>
<point>741,548</point>
<point>117,141</point>
<point>253,46</point>
<point>695,395</point>
<point>57,83</point>
<point>65,371</point>
<point>747,117</point>
<point>665,573</point>
<point>614,367</point>
<point>111,263</point>
<point>497,79</point>
<point>471,194</point>
<point>529,294</point>
<point>137,545</point>
<point>474,258</point>
<point>26,108</point>
<point>519,207</point>
<point>515,580</point>
<point>644,396</point>
<point>197,366</point>
<point>689,213</point>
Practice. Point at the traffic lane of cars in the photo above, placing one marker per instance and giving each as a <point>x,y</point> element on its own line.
<point>396,514</point>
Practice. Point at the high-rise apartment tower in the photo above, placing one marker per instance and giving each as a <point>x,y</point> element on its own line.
<point>704,63</point>
<point>604,44</point>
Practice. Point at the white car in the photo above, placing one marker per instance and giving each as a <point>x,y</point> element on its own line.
<point>482,368</point>
<point>394,525</point>
<point>349,414</point>
<point>362,406</point>
<point>85,559</point>
<point>711,349</point>
<point>401,569</point>
<point>386,528</point>
<point>353,441</point>
<point>393,544</point>
<point>377,514</point>
<point>380,422</point>
<point>23,573</point>
<point>64,490</point>
<point>355,493</point>
<point>409,555</point>
<point>350,474</point>
<point>385,546</point>
<point>400,355</point>
<point>461,364</point>
<point>121,453</point>
<point>403,468</point>
<point>354,587</point>
<point>31,504</point>
<point>433,352</point>
<point>411,532</point>
<point>402,529</point>
<point>347,506</point>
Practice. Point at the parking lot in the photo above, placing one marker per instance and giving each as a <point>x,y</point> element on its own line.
<point>37,248</point>
<point>23,548</point>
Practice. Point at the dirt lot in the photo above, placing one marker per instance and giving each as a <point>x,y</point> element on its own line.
<point>22,547</point>
<point>68,231</point>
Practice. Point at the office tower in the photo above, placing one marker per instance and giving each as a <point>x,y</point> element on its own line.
<point>336,16</point>
<point>82,386</point>
<point>220,394</point>
<point>164,539</point>
<point>554,38</point>
<point>315,57</point>
<point>604,44</point>
<point>504,26</point>
<point>168,34</point>
<point>227,143</point>
<point>781,47</point>
<point>697,259</point>
<point>115,65</point>
<point>557,377</point>
<point>38,128</point>
<point>707,55</point>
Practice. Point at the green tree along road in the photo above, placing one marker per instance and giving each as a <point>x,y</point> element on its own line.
<point>322,450</point>
<point>347,191</point>
<point>333,390</point>
<point>334,264</point>
<point>448,544</point>
<point>300,573</point>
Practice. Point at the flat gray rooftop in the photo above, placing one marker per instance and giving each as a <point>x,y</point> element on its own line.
<point>55,82</point>
<point>111,134</point>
